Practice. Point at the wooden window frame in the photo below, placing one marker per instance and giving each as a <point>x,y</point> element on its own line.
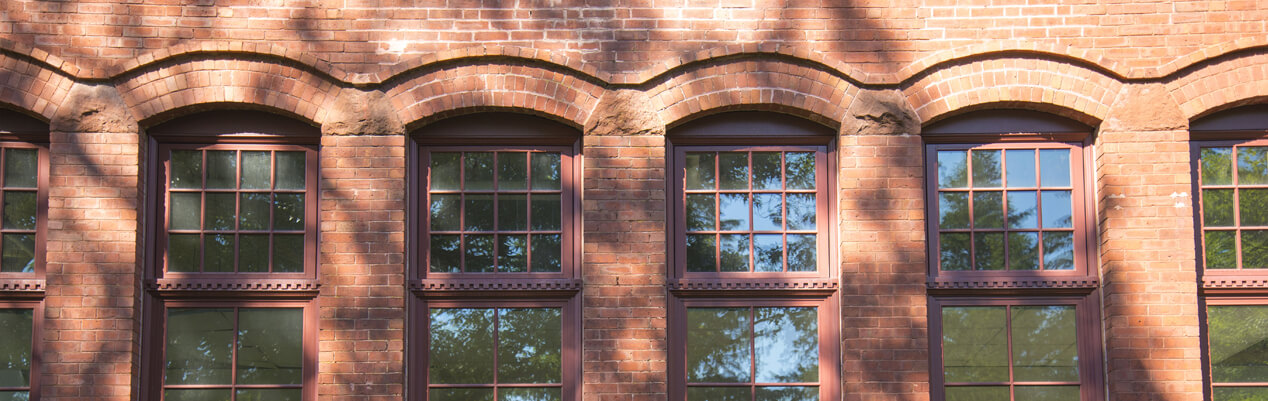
<point>1238,273</point>
<point>1087,332</point>
<point>30,281</point>
<point>1082,214</point>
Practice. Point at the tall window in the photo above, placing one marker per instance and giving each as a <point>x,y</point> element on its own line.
<point>1013,306</point>
<point>496,314</point>
<point>24,183</point>
<point>754,311</point>
<point>1230,181</point>
<point>234,268</point>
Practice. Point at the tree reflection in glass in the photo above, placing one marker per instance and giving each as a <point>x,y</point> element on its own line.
<point>205,346</point>
<point>508,346</point>
<point>722,343</point>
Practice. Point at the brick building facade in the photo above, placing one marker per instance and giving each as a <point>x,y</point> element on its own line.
<point>627,95</point>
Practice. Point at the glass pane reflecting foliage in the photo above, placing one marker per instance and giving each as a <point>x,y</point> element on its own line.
<point>1238,340</point>
<point>237,211</point>
<point>1022,352</point>
<point>1234,200</point>
<point>243,353</point>
<point>751,211</point>
<point>495,354</point>
<point>1009,209</point>
<point>771,353</point>
<point>16,330</point>
<point>19,210</point>
<point>496,211</point>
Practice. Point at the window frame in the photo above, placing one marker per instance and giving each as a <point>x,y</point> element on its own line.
<point>1199,216</point>
<point>37,329</point>
<point>41,207</point>
<point>1081,201</point>
<point>161,208</point>
<point>158,350</point>
<point>1087,334</point>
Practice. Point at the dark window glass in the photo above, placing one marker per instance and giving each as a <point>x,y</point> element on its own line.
<point>1028,352</point>
<point>255,353</point>
<point>495,353</point>
<point>20,210</point>
<point>744,352</point>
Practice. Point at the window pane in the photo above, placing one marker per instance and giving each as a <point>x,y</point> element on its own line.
<point>19,168</point>
<point>767,171</point>
<point>1252,165</point>
<point>513,253</point>
<point>253,253</point>
<point>186,211</point>
<point>445,212</point>
<point>15,395</point>
<point>254,211</point>
<point>19,253</point>
<point>1221,250</point>
<point>701,212</point>
<point>701,253</point>
<point>768,252</point>
<point>786,344</point>
<point>512,171</point>
<point>461,346</point>
<point>199,346</point>
<point>1254,249</point>
<point>799,170</point>
<point>530,394</point>
<point>444,171</point>
<point>1023,211</point>
<point>1253,207</point>
<point>270,394</point>
<point>15,351</point>
<point>1054,166</point>
<point>733,170</point>
<point>988,210</point>
<point>19,210</point>
<point>986,169</point>
<point>288,253</point>
<point>953,251</point>
<point>512,212</point>
<point>222,169</point>
<point>768,212</point>
<point>1239,343</point>
<point>187,169</point>
<point>218,253</point>
<point>546,252</point>
<point>974,344</point>
<point>477,174</point>
<point>1217,166</point>
<point>977,393</point>
<point>1044,344</point>
<point>802,253</point>
<point>1021,167</point>
<point>1057,212</point>
<point>479,255</point>
<point>718,345</point>
<point>546,173</point>
<point>733,211</point>
<point>1240,393</point>
<point>719,394</point>
<point>291,171</point>
<point>699,171</point>
<point>182,252</point>
<point>547,211</point>
<point>800,393</point>
<point>953,210</point>
<point>1058,250</point>
<point>446,254</point>
<point>220,213</point>
<point>288,211</point>
<point>953,169</point>
<point>460,394</point>
<point>801,211</point>
<point>529,345</point>
<point>1047,393</point>
<point>1023,251</point>
<point>196,394</point>
<point>735,253</point>
<point>1217,208</point>
<point>256,168</point>
<point>270,345</point>
<point>988,251</point>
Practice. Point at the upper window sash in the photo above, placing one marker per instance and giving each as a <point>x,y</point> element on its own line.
<point>504,212</point>
<point>237,211</point>
<point>1231,186</point>
<point>1009,209</point>
<point>23,209</point>
<point>752,211</point>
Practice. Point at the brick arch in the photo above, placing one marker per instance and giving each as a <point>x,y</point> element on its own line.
<point>1221,85</point>
<point>1245,43</point>
<point>166,88</point>
<point>754,84</point>
<point>494,86</point>
<point>1035,83</point>
<point>31,86</point>
<point>284,55</point>
<point>995,49</point>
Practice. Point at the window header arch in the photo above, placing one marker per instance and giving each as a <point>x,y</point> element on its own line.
<point>240,126</point>
<point>506,128</point>
<point>751,127</point>
<point>1004,125</point>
